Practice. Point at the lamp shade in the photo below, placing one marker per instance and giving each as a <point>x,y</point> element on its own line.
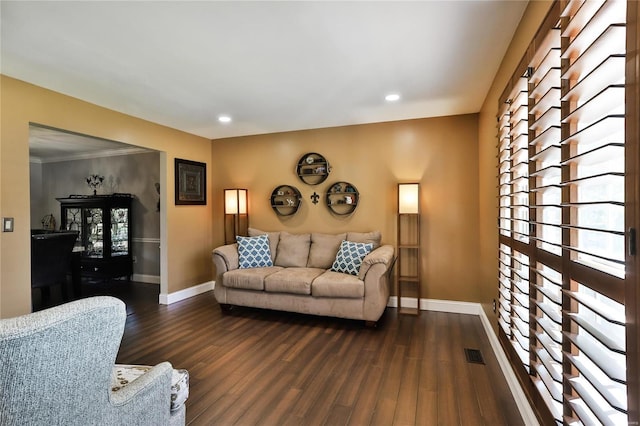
<point>235,201</point>
<point>408,198</point>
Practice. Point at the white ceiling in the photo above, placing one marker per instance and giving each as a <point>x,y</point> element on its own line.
<point>272,66</point>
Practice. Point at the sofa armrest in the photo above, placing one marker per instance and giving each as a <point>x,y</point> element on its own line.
<point>383,254</point>
<point>226,258</point>
<point>375,271</point>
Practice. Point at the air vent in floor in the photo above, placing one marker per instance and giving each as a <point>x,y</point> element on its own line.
<point>474,356</point>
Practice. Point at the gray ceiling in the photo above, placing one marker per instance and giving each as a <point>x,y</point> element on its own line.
<point>47,145</point>
<point>272,66</point>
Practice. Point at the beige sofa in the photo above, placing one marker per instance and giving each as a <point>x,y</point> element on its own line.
<point>302,280</point>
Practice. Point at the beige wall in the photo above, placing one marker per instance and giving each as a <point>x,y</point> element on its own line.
<point>487,151</point>
<point>188,228</point>
<point>441,153</point>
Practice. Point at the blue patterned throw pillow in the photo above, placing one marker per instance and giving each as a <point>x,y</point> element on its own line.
<point>254,252</point>
<point>349,257</point>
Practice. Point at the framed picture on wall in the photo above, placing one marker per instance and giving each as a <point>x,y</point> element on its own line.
<point>191,182</point>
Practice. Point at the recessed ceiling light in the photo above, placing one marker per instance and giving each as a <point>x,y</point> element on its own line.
<point>392,97</point>
<point>224,119</point>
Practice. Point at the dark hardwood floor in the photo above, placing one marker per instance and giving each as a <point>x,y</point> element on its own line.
<point>132,293</point>
<point>258,367</point>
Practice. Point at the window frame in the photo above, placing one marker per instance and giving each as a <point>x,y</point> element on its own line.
<point>622,290</point>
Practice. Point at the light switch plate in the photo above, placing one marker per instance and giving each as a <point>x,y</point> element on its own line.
<point>7,224</point>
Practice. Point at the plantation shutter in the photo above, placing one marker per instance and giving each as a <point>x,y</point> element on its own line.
<point>545,144</point>
<point>514,217</point>
<point>519,136</point>
<point>504,289</point>
<point>594,132</point>
<point>561,266</point>
<point>545,152</point>
<point>504,169</point>
<point>593,129</point>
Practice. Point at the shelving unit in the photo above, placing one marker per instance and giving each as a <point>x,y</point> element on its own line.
<point>313,168</point>
<point>342,198</point>
<point>408,239</point>
<point>285,200</point>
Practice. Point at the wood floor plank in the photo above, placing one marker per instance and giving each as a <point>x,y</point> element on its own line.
<point>468,408</point>
<point>427,414</point>
<point>338,416</point>
<point>367,399</point>
<point>238,368</point>
<point>251,388</point>
<point>282,406</point>
<point>406,409</point>
<point>259,367</point>
<point>318,395</point>
<point>390,389</point>
<point>265,401</point>
<point>447,404</point>
<point>357,374</point>
<point>495,409</point>
<point>405,413</point>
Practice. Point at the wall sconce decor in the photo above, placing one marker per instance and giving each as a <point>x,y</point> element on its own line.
<point>236,214</point>
<point>409,261</point>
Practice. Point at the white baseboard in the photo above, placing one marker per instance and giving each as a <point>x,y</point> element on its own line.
<point>437,305</point>
<point>451,306</point>
<point>167,299</point>
<point>150,279</point>
<point>519,396</point>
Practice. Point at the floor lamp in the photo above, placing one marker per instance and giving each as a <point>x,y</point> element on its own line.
<point>236,215</point>
<point>408,262</point>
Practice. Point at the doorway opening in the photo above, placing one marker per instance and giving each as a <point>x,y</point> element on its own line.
<point>66,165</point>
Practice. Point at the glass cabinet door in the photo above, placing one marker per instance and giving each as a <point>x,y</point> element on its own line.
<point>119,231</point>
<point>94,229</point>
<point>73,222</point>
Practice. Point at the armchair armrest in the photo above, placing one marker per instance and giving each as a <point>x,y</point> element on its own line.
<point>156,380</point>
<point>145,400</point>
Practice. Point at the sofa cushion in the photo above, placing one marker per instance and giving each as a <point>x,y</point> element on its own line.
<point>274,238</point>
<point>254,252</point>
<point>293,250</point>
<point>248,279</point>
<point>323,249</point>
<point>337,284</point>
<point>349,257</point>
<point>373,237</point>
<point>292,280</point>
<point>125,374</point>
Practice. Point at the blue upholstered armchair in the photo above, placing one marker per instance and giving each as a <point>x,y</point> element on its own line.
<point>57,368</point>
